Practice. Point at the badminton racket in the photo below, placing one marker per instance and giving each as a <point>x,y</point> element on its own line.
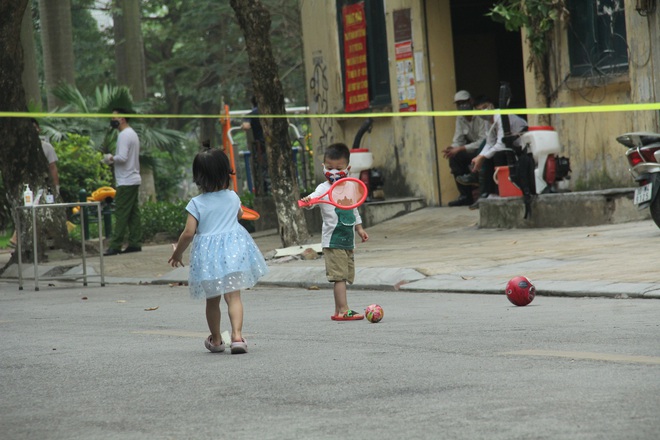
<point>347,193</point>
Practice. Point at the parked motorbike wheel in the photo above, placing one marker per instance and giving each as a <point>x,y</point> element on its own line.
<point>655,211</point>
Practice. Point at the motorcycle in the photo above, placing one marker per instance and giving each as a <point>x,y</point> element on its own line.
<point>644,158</point>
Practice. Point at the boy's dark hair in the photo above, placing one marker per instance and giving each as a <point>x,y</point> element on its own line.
<point>211,170</point>
<point>337,151</point>
<point>122,111</point>
<point>483,99</point>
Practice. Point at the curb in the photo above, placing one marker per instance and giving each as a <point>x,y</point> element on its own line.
<point>377,279</point>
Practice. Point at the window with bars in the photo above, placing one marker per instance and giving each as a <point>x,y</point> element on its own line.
<point>597,37</point>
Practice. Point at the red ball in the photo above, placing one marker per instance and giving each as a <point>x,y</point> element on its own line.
<point>520,291</point>
<point>374,313</point>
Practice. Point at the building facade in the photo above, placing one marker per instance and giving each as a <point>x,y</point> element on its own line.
<point>365,57</point>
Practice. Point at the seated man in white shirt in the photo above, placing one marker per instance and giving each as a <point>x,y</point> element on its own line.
<point>492,154</point>
<point>469,135</point>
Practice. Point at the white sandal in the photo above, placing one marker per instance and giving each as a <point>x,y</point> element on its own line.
<point>238,347</point>
<point>214,348</point>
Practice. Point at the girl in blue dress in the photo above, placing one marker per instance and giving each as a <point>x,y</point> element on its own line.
<point>224,259</point>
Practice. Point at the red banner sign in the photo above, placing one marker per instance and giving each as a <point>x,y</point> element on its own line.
<point>355,58</point>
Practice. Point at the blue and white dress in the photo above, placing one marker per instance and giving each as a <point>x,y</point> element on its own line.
<point>224,257</point>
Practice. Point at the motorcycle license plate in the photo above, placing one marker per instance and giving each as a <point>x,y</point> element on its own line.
<point>643,194</point>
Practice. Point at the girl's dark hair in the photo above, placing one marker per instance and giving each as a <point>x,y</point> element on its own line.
<point>337,151</point>
<point>211,170</point>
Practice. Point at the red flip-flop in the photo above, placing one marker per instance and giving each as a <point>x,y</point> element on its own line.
<point>349,315</point>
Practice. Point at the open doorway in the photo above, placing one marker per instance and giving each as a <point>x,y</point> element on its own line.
<point>485,53</point>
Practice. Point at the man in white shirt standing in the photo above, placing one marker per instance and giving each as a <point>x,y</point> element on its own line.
<point>127,174</point>
<point>469,135</point>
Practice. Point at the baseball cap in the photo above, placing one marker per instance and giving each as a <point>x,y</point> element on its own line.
<point>461,95</point>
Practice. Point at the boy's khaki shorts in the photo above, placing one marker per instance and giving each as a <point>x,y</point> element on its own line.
<point>339,265</point>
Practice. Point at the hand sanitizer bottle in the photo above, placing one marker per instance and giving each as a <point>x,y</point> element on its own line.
<point>27,196</point>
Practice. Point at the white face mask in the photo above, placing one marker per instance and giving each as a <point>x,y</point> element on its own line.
<point>334,175</point>
<point>487,117</point>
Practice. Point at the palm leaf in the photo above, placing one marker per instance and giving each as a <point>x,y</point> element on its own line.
<point>162,139</point>
<point>111,97</point>
<point>104,100</point>
<point>73,99</point>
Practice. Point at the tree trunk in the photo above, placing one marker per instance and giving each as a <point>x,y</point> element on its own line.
<point>129,48</point>
<point>209,106</point>
<point>23,161</point>
<point>120,47</point>
<point>147,192</point>
<point>30,72</point>
<point>57,42</point>
<point>254,20</point>
<point>207,127</point>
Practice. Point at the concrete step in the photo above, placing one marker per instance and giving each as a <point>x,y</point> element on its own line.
<point>376,212</point>
<point>582,208</point>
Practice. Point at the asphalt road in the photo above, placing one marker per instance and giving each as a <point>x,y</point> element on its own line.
<point>439,366</point>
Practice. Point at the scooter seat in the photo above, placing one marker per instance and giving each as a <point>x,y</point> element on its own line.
<point>638,139</point>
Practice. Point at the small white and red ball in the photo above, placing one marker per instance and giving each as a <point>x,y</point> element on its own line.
<point>520,291</point>
<point>374,313</point>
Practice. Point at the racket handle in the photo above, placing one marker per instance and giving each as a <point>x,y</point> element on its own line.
<point>309,202</point>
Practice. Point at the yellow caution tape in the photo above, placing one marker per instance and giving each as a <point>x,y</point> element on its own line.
<point>510,111</point>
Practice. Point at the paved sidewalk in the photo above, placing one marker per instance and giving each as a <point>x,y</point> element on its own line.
<point>443,250</point>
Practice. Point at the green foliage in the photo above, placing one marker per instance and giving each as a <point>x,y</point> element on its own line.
<point>92,48</point>
<point>247,199</point>
<point>168,174</point>
<point>197,58</point>
<point>75,233</point>
<point>79,166</point>
<point>537,17</point>
<point>5,235</point>
<point>160,148</point>
<point>103,100</point>
<point>163,217</point>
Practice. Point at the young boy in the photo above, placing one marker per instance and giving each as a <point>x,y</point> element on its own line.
<point>338,232</point>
